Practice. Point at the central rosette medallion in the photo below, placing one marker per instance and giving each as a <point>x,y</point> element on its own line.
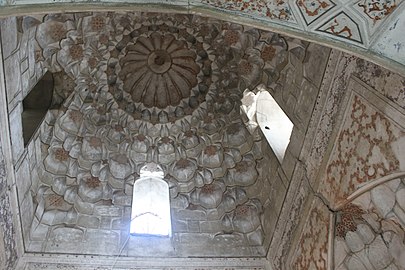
<point>159,70</point>
<point>159,61</point>
<point>162,72</point>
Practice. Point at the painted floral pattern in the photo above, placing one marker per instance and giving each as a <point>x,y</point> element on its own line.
<point>314,9</point>
<point>312,250</point>
<point>278,10</point>
<point>377,10</point>
<point>362,154</point>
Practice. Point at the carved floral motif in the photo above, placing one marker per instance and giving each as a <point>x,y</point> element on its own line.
<point>165,89</point>
<point>159,70</point>
<point>372,225</point>
<point>348,219</point>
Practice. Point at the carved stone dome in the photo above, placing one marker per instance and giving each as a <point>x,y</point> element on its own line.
<point>159,70</point>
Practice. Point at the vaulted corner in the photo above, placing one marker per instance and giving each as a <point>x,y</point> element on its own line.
<point>269,152</point>
<point>356,220</point>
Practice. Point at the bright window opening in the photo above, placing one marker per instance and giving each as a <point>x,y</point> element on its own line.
<point>263,110</point>
<point>151,203</point>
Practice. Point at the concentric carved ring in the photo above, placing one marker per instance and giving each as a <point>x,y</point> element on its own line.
<point>159,70</point>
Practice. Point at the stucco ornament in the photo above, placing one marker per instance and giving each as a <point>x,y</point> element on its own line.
<point>245,218</point>
<point>120,166</point>
<point>92,148</point>
<point>184,169</point>
<point>58,159</point>
<point>71,121</point>
<point>372,224</point>
<point>250,69</point>
<point>165,89</point>
<point>51,33</point>
<point>244,173</point>
<point>164,66</point>
<point>208,196</point>
<point>159,70</point>
<point>90,188</point>
<point>72,50</point>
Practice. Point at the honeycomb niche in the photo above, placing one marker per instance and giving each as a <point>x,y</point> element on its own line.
<point>164,89</point>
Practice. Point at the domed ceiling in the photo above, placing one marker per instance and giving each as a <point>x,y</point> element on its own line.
<point>160,88</point>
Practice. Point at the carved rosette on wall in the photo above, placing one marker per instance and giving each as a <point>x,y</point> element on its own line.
<point>165,68</point>
<point>159,71</point>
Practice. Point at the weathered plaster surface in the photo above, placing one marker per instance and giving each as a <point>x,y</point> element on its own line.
<point>354,27</point>
<point>64,148</point>
<point>366,146</point>
<point>379,94</point>
<point>7,233</point>
<point>312,250</point>
<point>95,262</point>
<point>221,163</point>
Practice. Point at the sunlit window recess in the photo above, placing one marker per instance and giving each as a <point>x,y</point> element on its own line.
<point>262,110</point>
<point>151,203</point>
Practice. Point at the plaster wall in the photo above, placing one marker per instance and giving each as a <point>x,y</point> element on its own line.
<point>288,192</point>
<point>369,29</point>
<point>293,77</point>
<point>9,235</point>
<point>296,92</point>
<point>358,171</point>
<point>23,69</point>
<point>22,72</point>
<point>8,250</point>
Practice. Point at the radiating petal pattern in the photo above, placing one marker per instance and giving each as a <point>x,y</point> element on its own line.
<point>159,70</point>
